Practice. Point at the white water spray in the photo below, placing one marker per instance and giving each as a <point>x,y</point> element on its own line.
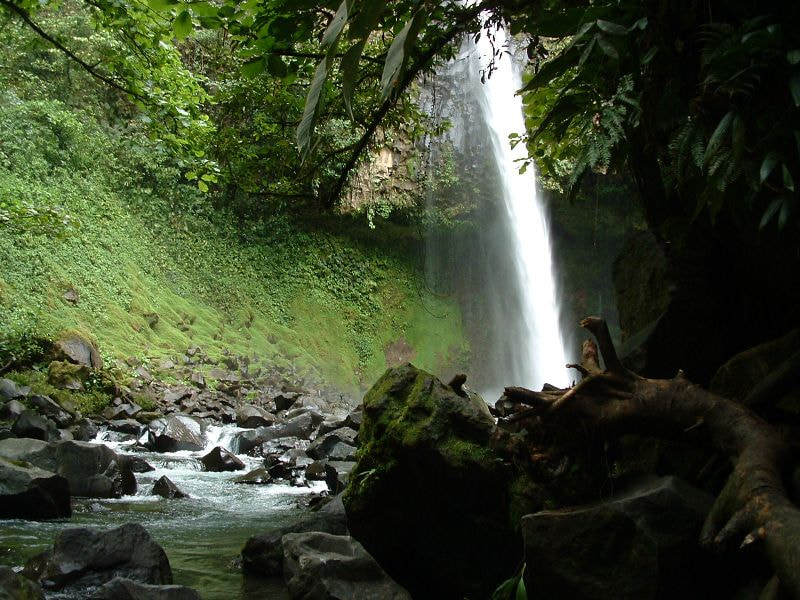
<point>540,356</point>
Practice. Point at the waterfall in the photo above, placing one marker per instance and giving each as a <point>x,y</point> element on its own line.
<point>507,263</point>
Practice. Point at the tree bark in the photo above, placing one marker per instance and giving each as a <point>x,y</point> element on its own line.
<point>753,507</point>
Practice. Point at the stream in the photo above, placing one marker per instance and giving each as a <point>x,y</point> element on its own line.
<point>202,535</point>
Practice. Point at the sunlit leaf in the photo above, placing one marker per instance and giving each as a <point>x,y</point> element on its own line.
<point>336,25</point>
<point>182,25</point>
<point>768,165</point>
<point>306,127</point>
<point>788,180</point>
<point>612,28</point>
<point>771,211</point>
<point>396,57</point>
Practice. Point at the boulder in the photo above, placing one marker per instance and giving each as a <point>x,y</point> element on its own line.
<point>11,390</point>
<point>324,445</point>
<point>165,488</point>
<point>321,565</point>
<point>258,476</point>
<point>92,470</point>
<point>75,348</point>
<point>429,463</point>
<point>127,410</point>
<point>285,400</point>
<point>176,432</point>
<point>121,588</point>
<point>85,430</point>
<point>138,465</point>
<point>67,375</point>
<point>34,426</point>
<point>17,587</point>
<point>81,558</point>
<point>639,545</point>
<point>263,553</point>
<point>337,475</point>
<point>11,410</point>
<point>27,492</point>
<point>51,409</point>
<point>301,427</point>
<point>220,459</point>
<point>250,417</point>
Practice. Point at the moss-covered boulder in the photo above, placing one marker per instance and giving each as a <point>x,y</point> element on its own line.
<point>430,498</point>
<point>66,375</point>
<point>77,348</point>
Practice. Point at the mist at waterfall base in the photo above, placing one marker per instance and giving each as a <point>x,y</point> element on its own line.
<point>501,269</point>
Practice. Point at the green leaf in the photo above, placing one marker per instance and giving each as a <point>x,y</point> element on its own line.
<point>582,30</point>
<point>788,180</point>
<point>336,25</point>
<point>611,28</point>
<point>794,87</point>
<point>587,51</point>
<point>641,24</point>
<point>161,4</point>
<point>349,69</point>
<point>203,9</point>
<point>768,165</point>
<point>366,20</point>
<point>607,47</point>
<point>771,211</point>
<point>521,594</point>
<point>182,25</point>
<point>715,142</point>
<point>793,56</point>
<point>202,186</point>
<point>649,55</point>
<point>396,57</point>
<point>783,217</point>
<point>306,127</point>
<point>276,66</point>
<point>191,175</point>
<point>254,67</point>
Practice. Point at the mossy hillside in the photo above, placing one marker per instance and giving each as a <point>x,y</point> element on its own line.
<point>156,269</point>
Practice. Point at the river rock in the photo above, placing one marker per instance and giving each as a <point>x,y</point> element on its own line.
<point>639,545</point>
<point>176,432</point>
<point>250,417</point>
<point>75,348</point>
<point>81,558</point>
<point>258,476</point>
<point>312,411</point>
<point>34,426</point>
<point>263,553</point>
<point>321,565</point>
<point>337,474</point>
<point>285,401</point>
<point>51,409</point>
<point>85,430</point>
<point>138,465</point>
<point>325,446</point>
<point>121,588</point>
<point>127,410</point>
<point>11,410</point>
<point>27,492</point>
<point>11,390</point>
<point>16,587</point>
<point>92,470</point>
<point>165,488</point>
<point>428,464</point>
<point>220,459</point>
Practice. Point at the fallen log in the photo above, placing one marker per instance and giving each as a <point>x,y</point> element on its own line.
<point>753,507</point>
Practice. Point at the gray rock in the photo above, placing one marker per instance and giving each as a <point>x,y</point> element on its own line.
<point>220,459</point>
<point>324,444</point>
<point>176,432</point>
<point>123,411</point>
<point>11,410</point>
<point>258,476</point>
<point>85,430</point>
<point>285,401</point>
<point>37,427</point>
<point>28,492</point>
<point>11,390</point>
<point>81,558</point>
<point>17,587</point>
<point>337,475</point>
<point>639,545</point>
<point>263,553</point>
<point>121,588</point>
<point>77,350</point>
<point>165,488</point>
<point>92,470</point>
<point>51,409</point>
<point>250,417</point>
<point>324,566</point>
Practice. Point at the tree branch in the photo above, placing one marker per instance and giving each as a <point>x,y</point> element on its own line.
<point>25,16</point>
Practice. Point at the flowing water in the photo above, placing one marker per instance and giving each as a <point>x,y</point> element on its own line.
<point>202,535</point>
<point>510,293</point>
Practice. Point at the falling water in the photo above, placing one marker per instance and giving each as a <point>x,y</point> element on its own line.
<point>509,262</point>
<point>541,352</point>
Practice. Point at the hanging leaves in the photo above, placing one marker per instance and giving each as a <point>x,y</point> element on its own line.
<point>306,127</point>
<point>398,52</point>
<point>182,25</point>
